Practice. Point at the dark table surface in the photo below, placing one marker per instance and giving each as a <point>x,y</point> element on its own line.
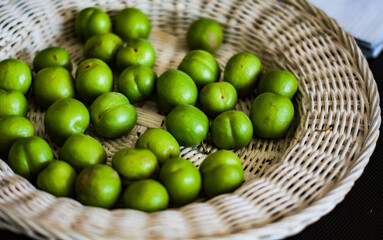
<point>360,214</point>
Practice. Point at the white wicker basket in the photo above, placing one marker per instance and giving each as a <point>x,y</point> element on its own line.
<point>290,182</point>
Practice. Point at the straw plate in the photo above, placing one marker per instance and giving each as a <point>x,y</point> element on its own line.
<point>290,182</point>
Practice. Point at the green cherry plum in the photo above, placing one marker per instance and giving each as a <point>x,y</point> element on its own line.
<point>93,78</point>
<point>205,34</point>
<point>160,142</point>
<point>98,185</point>
<point>50,57</point>
<point>175,87</point>
<point>242,71</point>
<point>13,103</point>
<point>217,97</point>
<point>201,66</point>
<point>81,151</point>
<point>136,52</point>
<point>135,164</point>
<point>91,21</point>
<point>132,23</point>
<point>15,75</point>
<point>146,195</point>
<point>112,115</point>
<point>137,83</point>
<point>231,129</point>
<point>58,178</point>
<point>51,84</point>
<point>13,128</point>
<point>271,115</point>
<point>182,180</point>
<point>221,173</point>
<point>65,117</point>
<point>188,125</point>
<point>103,46</point>
<point>28,156</point>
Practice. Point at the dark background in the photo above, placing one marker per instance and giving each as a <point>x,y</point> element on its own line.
<point>360,214</point>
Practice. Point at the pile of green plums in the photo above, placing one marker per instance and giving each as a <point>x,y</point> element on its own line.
<point>153,175</point>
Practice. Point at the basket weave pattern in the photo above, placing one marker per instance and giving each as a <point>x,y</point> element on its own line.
<point>289,182</point>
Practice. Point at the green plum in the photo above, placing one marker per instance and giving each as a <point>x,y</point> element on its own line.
<point>103,46</point>
<point>15,75</point>
<point>221,172</point>
<point>81,151</point>
<point>216,98</point>
<point>13,103</point>
<point>50,57</point>
<point>58,178</point>
<point>132,23</point>
<point>231,129</point>
<point>28,156</point>
<point>174,88</point>
<point>188,125</point>
<point>65,117</point>
<point>91,21</point>
<point>146,195</point>
<point>280,82</point>
<point>51,84</point>
<point>136,52</point>
<point>182,180</point>
<point>205,34</point>
<point>135,164</point>
<point>112,115</point>
<point>242,71</point>
<point>93,78</point>
<point>137,83</point>
<point>98,185</point>
<point>13,128</point>
<point>201,66</point>
<point>160,142</point>
<point>271,115</point>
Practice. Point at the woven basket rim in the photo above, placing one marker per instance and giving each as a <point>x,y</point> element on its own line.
<point>292,224</point>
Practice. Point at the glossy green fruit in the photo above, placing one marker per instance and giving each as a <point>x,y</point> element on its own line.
<point>216,98</point>
<point>50,57</point>
<point>242,71</point>
<point>93,78</point>
<point>81,151</point>
<point>182,180</point>
<point>136,52</point>
<point>201,66</point>
<point>28,156</point>
<point>91,21</point>
<point>188,125</point>
<point>13,103</point>
<point>98,185</point>
<point>137,83</point>
<point>205,34</point>
<point>58,178</point>
<point>231,129</point>
<point>132,23</point>
<point>271,115</point>
<point>280,82</point>
<point>221,172</point>
<point>104,47</point>
<point>175,88</point>
<point>112,115</point>
<point>13,128</point>
<point>51,84</point>
<point>135,164</point>
<point>146,195</point>
<point>160,142</point>
<point>65,117</point>
<point>15,75</point>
